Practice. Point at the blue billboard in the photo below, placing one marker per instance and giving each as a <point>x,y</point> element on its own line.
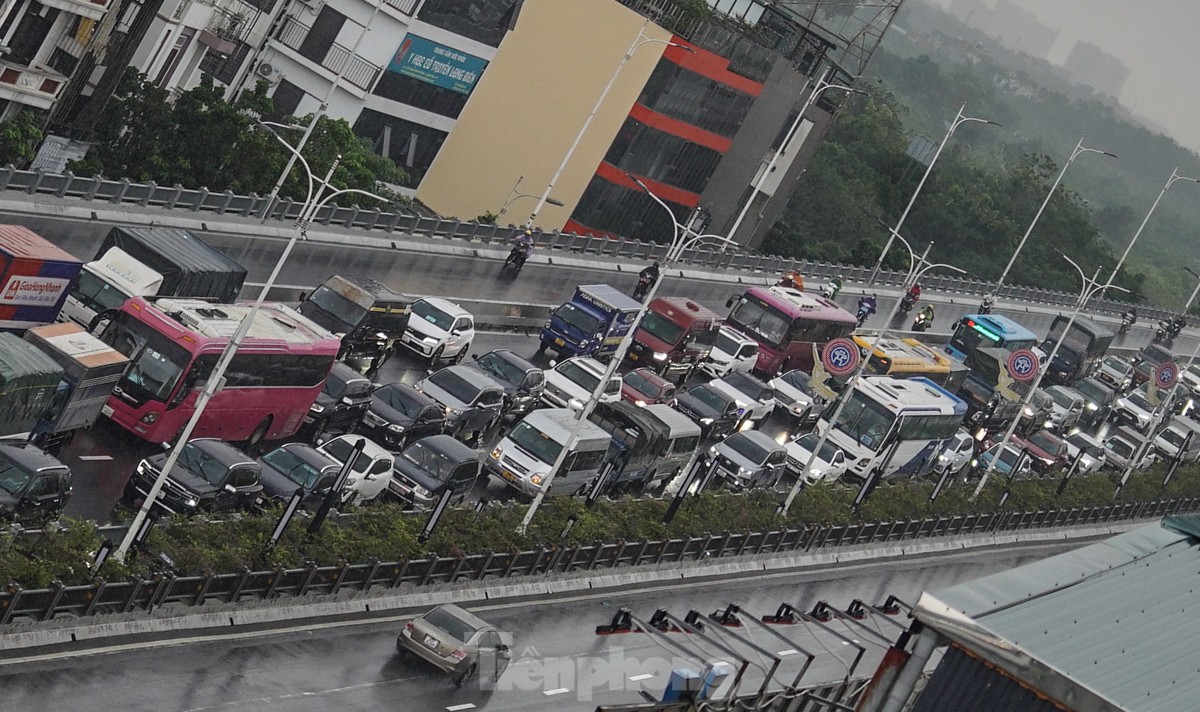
<point>437,64</point>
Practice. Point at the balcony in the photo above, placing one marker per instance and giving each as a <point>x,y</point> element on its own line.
<point>32,86</point>
<point>224,31</point>
<point>91,9</point>
<point>337,58</point>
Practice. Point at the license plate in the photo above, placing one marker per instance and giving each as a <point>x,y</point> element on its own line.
<point>559,342</point>
<point>508,475</point>
<point>106,411</point>
<point>633,357</point>
<point>431,641</point>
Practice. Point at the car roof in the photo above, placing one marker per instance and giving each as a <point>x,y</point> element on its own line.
<point>347,373</point>
<point>445,305</point>
<point>759,438</point>
<point>370,448</point>
<point>463,615</point>
<point>448,446</point>
<point>513,358</point>
<point>309,454</point>
<point>735,334</point>
<point>221,451</point>
<point>29,456</point>
<point>475,377</point>
<point>410,391</point>
<point>587,362</point>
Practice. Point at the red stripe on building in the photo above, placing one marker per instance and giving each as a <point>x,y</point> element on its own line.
<point>579,228</point>
<point>710,65</point>
<point>682,129</point>
<point>669,193</point>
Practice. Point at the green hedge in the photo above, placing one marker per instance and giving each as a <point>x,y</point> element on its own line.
<point>385,532</point>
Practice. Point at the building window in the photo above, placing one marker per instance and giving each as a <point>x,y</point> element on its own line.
<point>422,95</point>
<point>62,61</point>
<point>287,98</point>
<point>484,21</point>
<point>31,32</point>
<point>412,146</point>
<point>223,68</point>
<point>322,35</point>
<point>615,209</point>
<point>265,6</point>
<point>695,99</point>
<point>662,157</point>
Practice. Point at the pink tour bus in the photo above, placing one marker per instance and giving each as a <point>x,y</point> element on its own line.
<point>786,323</point>
<point>173,345</point>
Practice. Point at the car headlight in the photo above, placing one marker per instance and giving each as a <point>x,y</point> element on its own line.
<point>1093,406</point>
<point>640,402</point>
<point>381,336</point>
<point>706,421</point>
<point>535,480</point>
<point>429,339</point>
<point>190,502</point>
<point>143,468</point>
<point>743,472</point>
<point>420,491</point>
<point>1048,424</point>
<point>660,356</point>
<point>452,411</point>
<point>1028,412</point>
<point>713,451</point>
<point>497,452</point>
<point>396,428</point>
<point>316,408</point>
<point>974,462</point>
<point>814,471</point>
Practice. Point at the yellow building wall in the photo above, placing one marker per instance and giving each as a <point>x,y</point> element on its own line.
<point>531,102</point>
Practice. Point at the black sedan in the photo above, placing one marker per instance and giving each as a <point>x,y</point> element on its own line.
<point>522,381</point>
<point>399,414</point>
<point>716,412</point>
<point>297,466</point>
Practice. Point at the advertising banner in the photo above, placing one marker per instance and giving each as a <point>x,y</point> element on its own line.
<point>437,64</point>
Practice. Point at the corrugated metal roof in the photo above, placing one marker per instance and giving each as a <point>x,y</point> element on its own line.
<point>1113,625</point>
<point>22,242</point>
<point>963,682</point>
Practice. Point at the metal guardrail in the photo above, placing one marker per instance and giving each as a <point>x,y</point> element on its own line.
<point>149,593</point>
<point>176,197</point>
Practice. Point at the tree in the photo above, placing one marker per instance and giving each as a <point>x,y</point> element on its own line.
<point>19,139</point>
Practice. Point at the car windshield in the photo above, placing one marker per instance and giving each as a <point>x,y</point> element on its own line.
<point>444,620</point>
<point>1173,437</point>
<point>454,384</point>
<point>808,441</point>
<point>575,373</point>
<point>429,313</point>
<point>535,442</point>
<point>1120,447</point>
<point>1092,390</point>
<point>200,463</point>
<point>155,362</point>
<point>340,449</point>
<point>430,460</point>
<point>402,398</point>
<point>96,294</point>
<point>501,368</point>
<point>710,397</point>
<point>1007,457</point>
<point>798,380</point>
<point>638,381</point>
<point>287,462</point>
<point>1063,397</point>
<point>1139,400</point>
<point>747,448</point>
<point>1083,444</point>
<point>744,384</point>
<point>334,384</point>
<point>338,306</point>
<point>1156,354</point>
<point>1046,442</point>
<point>726,343</point>
<point>579,319</point>
<point>767,323</point>
<point>12,478</point>
<point>1116,364</point>
<point>662,328</point>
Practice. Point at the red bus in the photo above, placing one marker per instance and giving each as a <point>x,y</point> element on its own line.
<point>787,323</point>
<point>173,345</point>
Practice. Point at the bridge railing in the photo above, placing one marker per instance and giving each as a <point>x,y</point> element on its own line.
<point>168,589</point>
<point>202,200</point>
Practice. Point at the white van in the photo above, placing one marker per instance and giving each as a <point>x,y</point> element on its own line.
<point>106,284</point>
<point>523,458</point>
<point>733,351</point>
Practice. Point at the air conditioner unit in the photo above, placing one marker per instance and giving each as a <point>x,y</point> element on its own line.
<point>264,69</point>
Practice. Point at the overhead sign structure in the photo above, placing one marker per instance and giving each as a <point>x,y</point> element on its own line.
<point>437,64</point>
<point>840,357</point>
<point>1023,365</point>
<point>1166,375</point>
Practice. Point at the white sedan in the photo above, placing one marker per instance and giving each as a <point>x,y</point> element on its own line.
<point>1088,449</point>
<point>830,464</point>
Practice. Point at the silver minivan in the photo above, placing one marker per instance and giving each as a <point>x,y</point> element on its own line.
<point>1122,444</point>
<point>523,458</point>
<point>748,460</point>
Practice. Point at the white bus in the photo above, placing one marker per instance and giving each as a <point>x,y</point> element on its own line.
<point>895,426</point>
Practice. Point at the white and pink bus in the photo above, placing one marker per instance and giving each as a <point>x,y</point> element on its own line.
<point>786,323</point>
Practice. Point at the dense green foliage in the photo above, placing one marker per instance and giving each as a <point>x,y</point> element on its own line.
<point>385,532</point>
<point>201,140</point>
<point>19,139</point>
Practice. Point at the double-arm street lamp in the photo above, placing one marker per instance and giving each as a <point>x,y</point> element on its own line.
<point>314,201</point>
<point>1090,287</point>
<point>1079,150</point>
<point>513,196</point>
<point>917,269</point>
<point>681,239</point>
<point>638,43</point>
<point>959,120</point>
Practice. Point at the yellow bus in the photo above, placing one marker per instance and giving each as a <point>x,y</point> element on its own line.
<point>909,358</point>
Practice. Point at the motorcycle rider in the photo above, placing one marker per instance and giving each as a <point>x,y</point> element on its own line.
<point>925,314</point>
<point>646,279</point>
<point>989,302</point>
<point>792,280</point>
<point>1128,319</point>
<point>910,298</point>
<point>834,286</point>
<point>866,307</point>
<point>522,248</point>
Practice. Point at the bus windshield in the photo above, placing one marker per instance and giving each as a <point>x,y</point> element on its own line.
<point>764,322</point>
<point>865,420</point>
<point>155,362</point>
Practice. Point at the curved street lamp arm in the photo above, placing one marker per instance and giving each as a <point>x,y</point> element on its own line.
<point>296,154</point>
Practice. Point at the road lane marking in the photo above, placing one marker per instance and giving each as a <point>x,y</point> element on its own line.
<point>95,457</point>
<point>556,691</point>
<point>459,708</point>
<point>789,651</point>
<point>643,676</point>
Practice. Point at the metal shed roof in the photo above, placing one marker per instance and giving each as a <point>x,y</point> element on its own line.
<point>1111,626</point>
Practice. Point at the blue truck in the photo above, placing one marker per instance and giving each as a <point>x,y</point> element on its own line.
<point>592,323</point>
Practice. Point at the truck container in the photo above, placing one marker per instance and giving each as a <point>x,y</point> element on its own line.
<point>1081,350</point>
<point>592,323</point>
<point>90,371</point>
<point>152,261</point>
<point>29,381</point>
<point>35,277</point>
<point>675,336</point>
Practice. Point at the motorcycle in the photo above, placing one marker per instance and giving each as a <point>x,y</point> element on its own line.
<point>922,323</point>
<point>830,290</point>
<point>985,307</point>
<point>907,302</point>
<point>864,311</point>
<point>643,286</point>
<point>1126,322</point>
<point>1167,329</point>
<point>516,259</point>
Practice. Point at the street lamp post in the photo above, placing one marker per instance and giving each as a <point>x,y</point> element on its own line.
<point>513,196</point>
<point>918,267</point>
<point>313,202</point>
<point>1079,150</point>
<point>679,242</point>
<point>959,120</point>
<point>1090,287</point>
<point>638,42</point>
<point>821,86</point>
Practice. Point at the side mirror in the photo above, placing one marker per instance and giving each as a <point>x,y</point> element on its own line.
<point>553,363</point>
<point>729,302</point>
<point>474,357</point>
<point>371,477</point>
<point>348,400</point>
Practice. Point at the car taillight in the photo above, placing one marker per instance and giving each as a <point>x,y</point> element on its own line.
<point>458,654</point>
<point>408,627</point>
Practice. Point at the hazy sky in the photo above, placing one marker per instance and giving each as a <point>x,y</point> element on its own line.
<point>1154,38</point>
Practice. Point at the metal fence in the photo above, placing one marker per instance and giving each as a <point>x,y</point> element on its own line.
<point>150,593</point>
<point>202,200</point>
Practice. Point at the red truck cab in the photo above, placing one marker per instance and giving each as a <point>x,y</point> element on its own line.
<point>674,336</point>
